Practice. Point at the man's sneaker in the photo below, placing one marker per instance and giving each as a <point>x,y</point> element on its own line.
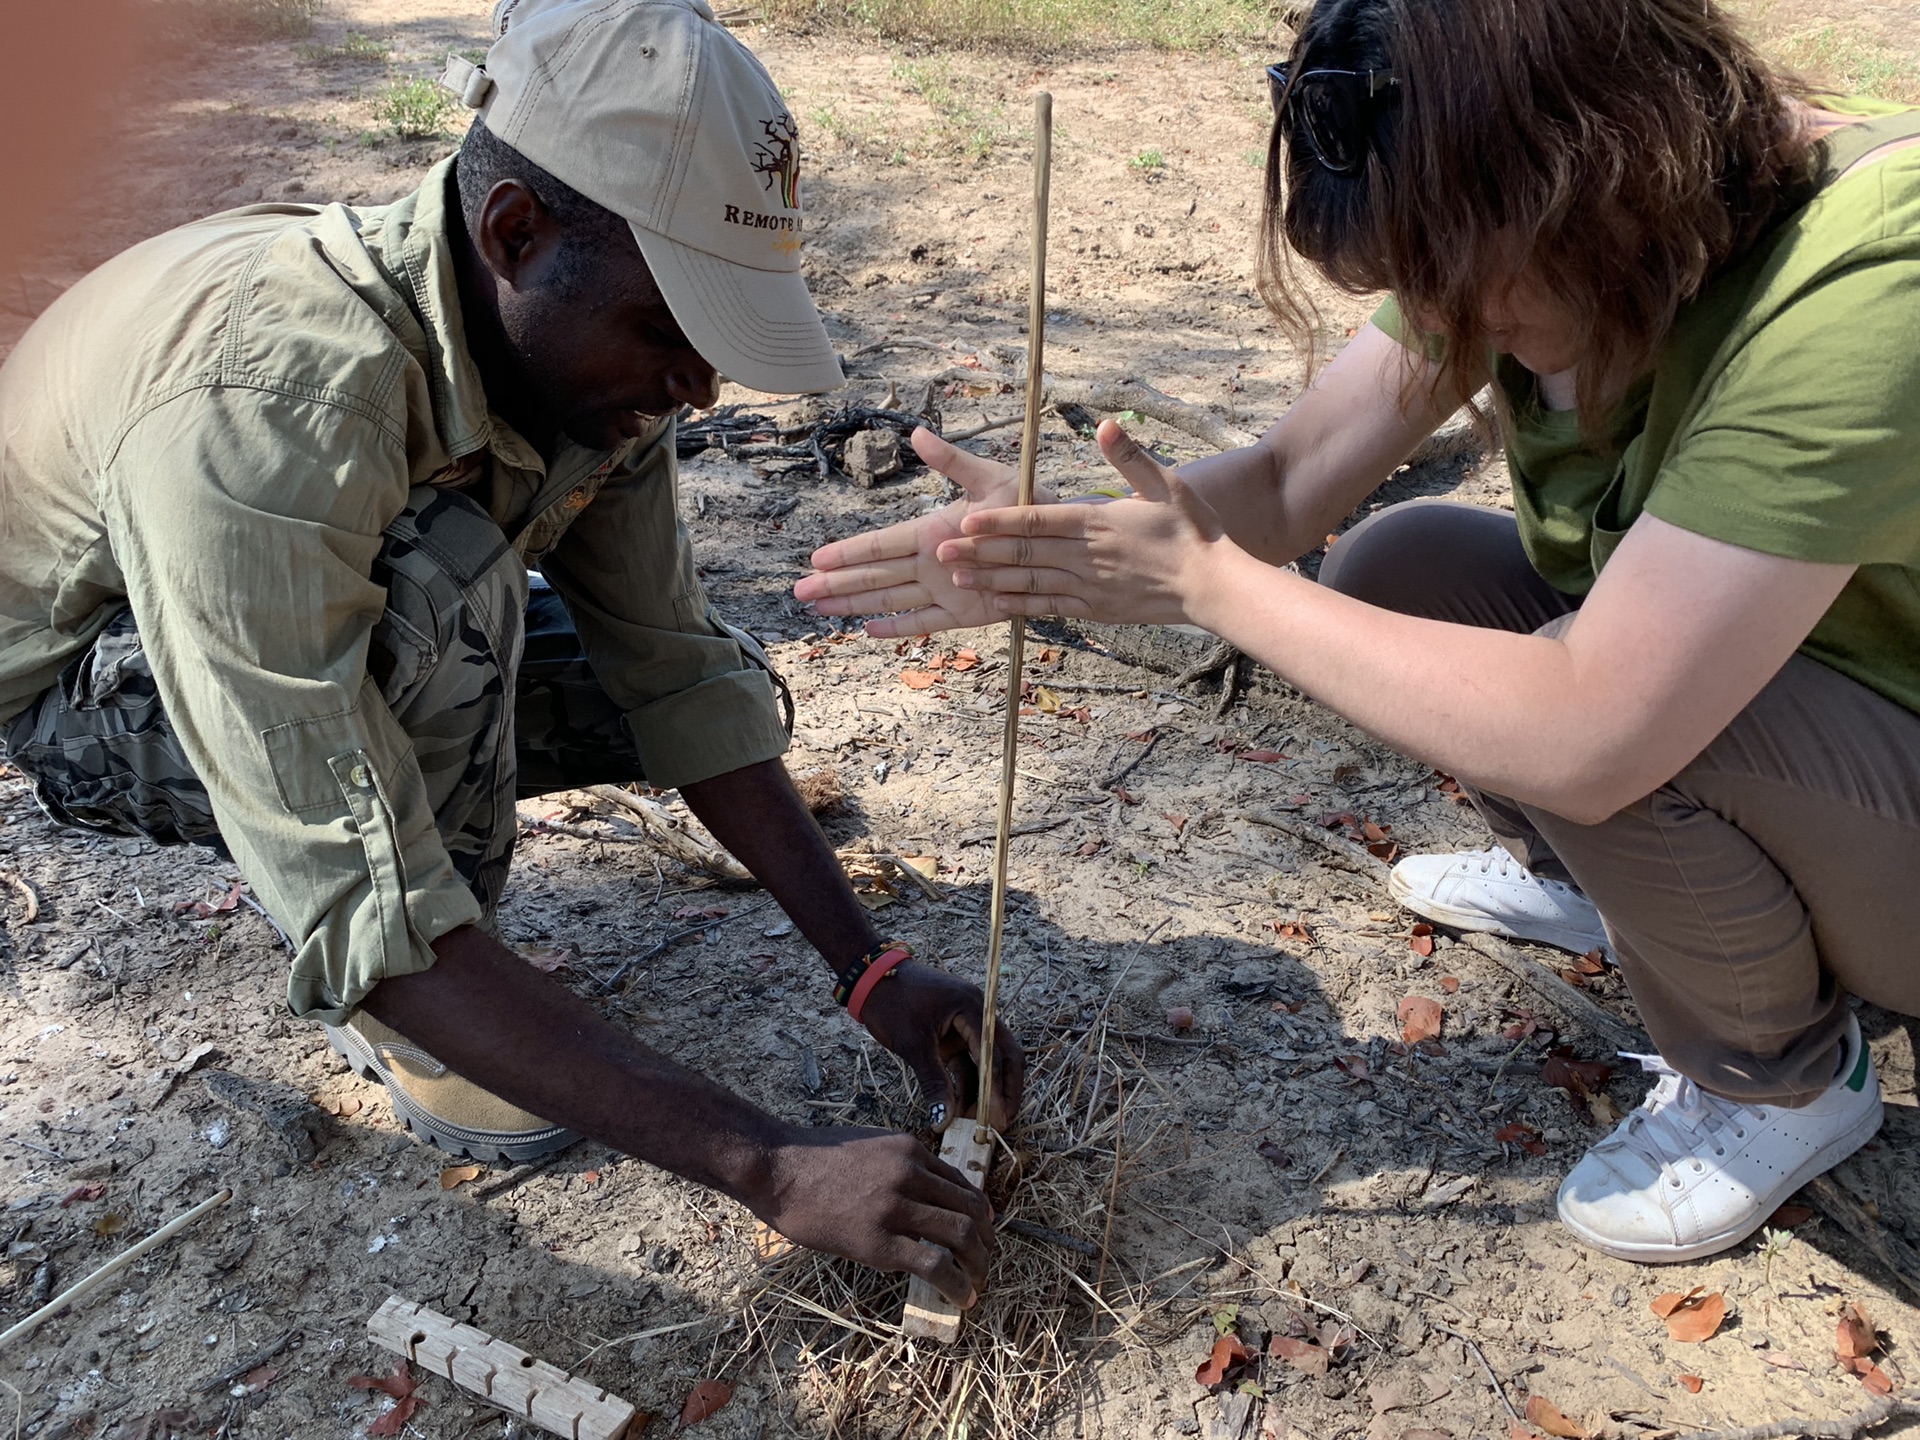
<point>1689,1174</point>
<point>1490,890</point>
<point>437,1105</point>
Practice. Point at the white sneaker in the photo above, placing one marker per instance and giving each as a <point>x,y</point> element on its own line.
<point>1490,890</point>
<point>1690,1174</point>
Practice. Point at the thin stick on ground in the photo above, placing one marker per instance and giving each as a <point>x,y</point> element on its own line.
<point>1492,1379</point>
<point>1888,1407</point>
<point>29,897</point>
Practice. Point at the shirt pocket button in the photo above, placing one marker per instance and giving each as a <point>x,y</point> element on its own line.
<point>360,776</point>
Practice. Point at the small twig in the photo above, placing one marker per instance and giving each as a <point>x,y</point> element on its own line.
<point>1127,769</point>
<point>671,940</point>
<point>252,1362</point>
<point>1339,1154</point>
<point>113,1267</point>
<point>1888,1407</point>
<point>986,429</point>
<point>1051,1236</point>
<point>1494,1380</point>
<point>28,894</point>
<point>43,1150</point>
<point>513,1178</point>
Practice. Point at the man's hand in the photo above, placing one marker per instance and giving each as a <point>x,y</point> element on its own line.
<point>895,572</point>
<point>883,1200</point>
<point>932,1021</point>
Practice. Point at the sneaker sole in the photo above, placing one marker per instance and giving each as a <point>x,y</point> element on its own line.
<point>1818,1164</point>
<point>1440,913</point>
<point>488,1147</point>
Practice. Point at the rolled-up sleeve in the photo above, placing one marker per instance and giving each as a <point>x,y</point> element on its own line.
<point>697,703</point>
<point>246,523</point>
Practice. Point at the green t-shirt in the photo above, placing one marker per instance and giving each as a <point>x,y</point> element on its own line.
<point>1782,415</point>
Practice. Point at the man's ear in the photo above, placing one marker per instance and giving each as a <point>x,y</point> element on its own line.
<point>516,233</point>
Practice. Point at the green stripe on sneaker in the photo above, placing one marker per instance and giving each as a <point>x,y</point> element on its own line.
<point>1858,1079</point>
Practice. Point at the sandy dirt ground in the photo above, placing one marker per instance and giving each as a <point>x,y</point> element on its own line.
<point>1284,1159</point>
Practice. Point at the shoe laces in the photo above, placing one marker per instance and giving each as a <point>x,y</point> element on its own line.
<point>1508,865</point>
<point>1679,1124</point>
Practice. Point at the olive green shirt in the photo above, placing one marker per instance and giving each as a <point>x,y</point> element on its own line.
<point>215,427</point>
<point>1782,415</point>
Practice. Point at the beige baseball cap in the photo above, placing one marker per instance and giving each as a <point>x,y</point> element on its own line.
<point>652,109</point>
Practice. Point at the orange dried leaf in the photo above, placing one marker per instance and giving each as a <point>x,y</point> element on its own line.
<point>1517,1431</point>
<point>1690,1383</point>
<point>1543,1413</point>
<point>1420,939</point>
<point>919,679</point>
<point>1875,1379</point>
<point>1450,984</point>
<point>1227,1353</point>
<point>456,1175</point>
<point>1697,1320</point>
<point>1420,1019</point>
<point>1261,757</point>
<point>1672,1300</point>
<point>1302,1355</point>
<point>1180,1017</point>
<point>1856,1336</point>
<point>706,1398</point>
<point>1788,1216</point>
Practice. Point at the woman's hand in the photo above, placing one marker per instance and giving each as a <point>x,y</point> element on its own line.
<point>1143,561</point>
<point>894,573</point>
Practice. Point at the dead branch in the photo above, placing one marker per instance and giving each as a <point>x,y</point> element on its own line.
<point>1345,853</point>
<point>1127,769</point>
<point>1110,397</point>
<point>670,834</point>
<point>1556,992</point>
<point>1888,1407</point>
<point>1893,1253</point>
<point>28,895</point>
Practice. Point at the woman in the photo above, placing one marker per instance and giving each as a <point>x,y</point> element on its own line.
<point>1683,678</point>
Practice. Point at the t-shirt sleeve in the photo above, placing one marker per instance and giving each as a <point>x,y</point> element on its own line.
<point>1806,446</point>
<point>1390,319</point>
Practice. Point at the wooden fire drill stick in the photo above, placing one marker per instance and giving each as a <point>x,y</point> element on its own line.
<point>968,1147</point>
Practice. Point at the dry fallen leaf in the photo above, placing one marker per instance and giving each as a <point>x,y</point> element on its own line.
<point>1420,1019</point>
<point>111,1223</point>
<point>1045,700</point>
<point>1788,1216</point>
<point>1302,1355</point>
<point>1261,757</point>
<point>1856,1335</point>
<point>1227,1353</point>
<point>1690,1383</point>
<point>919,679</point>
<point>1292,930</point>
<point>1543,1413</point>
<point>1590,963</point>
<point>1353,1065</point>
<point>1267,1150</point>
<point>1693,1317</point>
<point>83,1192</point>
<point>1873,1377</point>
<point>706,1398</point>
<point>399,1386</point>
<point>455,1175</point>
<point>1664,1305</point>
<point>963,660</point>
<point>1420,939</point>
<point>1450,984</point>
<point>546,958</point>
<point>260,1377</point>
<point>1180,1017</point>
<point>1525,1136</point>
<point>1393,1394</point>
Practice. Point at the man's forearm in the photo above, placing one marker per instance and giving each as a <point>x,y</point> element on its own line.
<point>495,1020</point>
<point>760,818</point>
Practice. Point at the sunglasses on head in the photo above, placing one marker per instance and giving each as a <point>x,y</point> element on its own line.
<point>1334,109</point>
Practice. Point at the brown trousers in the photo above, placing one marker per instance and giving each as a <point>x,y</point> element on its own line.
<point>1748,895</point>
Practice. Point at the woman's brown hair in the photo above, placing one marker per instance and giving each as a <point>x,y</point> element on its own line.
<point>1625,150</point>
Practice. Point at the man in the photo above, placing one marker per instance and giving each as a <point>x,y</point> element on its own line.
<point>270,485</point>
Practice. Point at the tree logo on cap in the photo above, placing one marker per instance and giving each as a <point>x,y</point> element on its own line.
<point>779,159</point>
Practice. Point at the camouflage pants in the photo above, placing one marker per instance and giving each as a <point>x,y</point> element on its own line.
<point>479,663</point>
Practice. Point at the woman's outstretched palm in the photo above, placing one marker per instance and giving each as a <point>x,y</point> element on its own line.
<point>894,573</point>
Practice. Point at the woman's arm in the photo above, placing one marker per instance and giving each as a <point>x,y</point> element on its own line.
<point>1678,636</point>
<point>1338,443</point>
<point>1359,421</point>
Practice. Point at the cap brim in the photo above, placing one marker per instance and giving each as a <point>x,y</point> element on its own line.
<point>759,328</point>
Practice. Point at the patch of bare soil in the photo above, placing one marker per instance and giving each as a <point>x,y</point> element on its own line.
<point>1372,1212</point>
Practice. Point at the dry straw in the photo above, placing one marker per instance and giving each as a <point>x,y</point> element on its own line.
<point>825,1331</point>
